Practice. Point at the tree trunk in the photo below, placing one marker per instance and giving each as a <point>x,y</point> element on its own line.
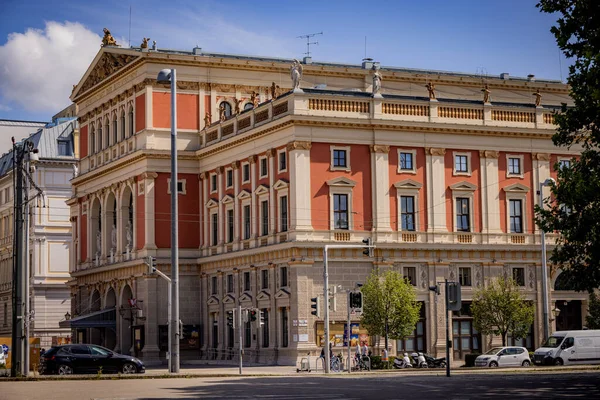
<point>503,339</point>
<point>386,334</point>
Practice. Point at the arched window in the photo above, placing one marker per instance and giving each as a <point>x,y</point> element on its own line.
<point>107,133</point>
<point>123,125</point>
<point>248,106</point>
<point>99,138</point>
<point>92,140</point>
<point>131,210</point>
<point>130,122</point>
<point>115,130</point>
<point>227,107</point>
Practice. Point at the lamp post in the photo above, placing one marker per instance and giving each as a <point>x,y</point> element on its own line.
<point>166,76</point>
<point>547,182</point>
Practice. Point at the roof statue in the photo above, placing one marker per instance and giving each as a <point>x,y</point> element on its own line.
<point>144,44</point>
<point>237,103</point>
<point>207,119</point>
<point>254,99</point>
<point>376,81</point>
<point>431,88</point>
<point>486,93</point>
<point>274,91</point>
<point>222,116</point>
<point>296,75</point>
<point>108,40</point>
<point>538,98</point>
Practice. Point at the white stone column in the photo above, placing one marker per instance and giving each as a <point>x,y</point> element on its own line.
<point>221,207</point>
<point>300,193</point>
<point>253,212</point>
<point>271,156</point>
<point>236,205</point>
<point>490,191</point>
<point>436,190</point>
<point>380,187</point>
<point>149,215</point>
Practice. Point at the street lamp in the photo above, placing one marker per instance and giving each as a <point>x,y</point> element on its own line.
<point>166,76</point>
<point>67,316</point>
<point>547,182</point>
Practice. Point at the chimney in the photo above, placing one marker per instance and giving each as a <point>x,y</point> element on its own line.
<point>505,76</point>
<point>197,51</point>
<point>531,78</point>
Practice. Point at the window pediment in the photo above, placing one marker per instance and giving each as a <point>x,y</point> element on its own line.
<point>408,184</point>
<point>244,194</point>
<point>263,295</point>
<point>212,203</point>
<point>213,300</point>
<point>227,199</point>
<point>341,181</point>
<point>246,297</point>
<point>463,186</point>
<point>282,294</point>
<point>262,189</point>
<point>280,184</point>
<point>516,188</point>
<point>228,299</point>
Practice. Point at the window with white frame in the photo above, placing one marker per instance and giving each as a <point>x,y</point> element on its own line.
<point>264,167</point>
<point>462,163</point>
<point>282,161</point>
<point>340,203</point>
<point>516,215</point>
<point>410,274</point>
<point>340,211</point>
<point>463,214</point>
<point>464,276</point>
<point>340,158</point>
<point>229,178</point>
<point>564,163</point>
<point>514,165</point>
<point>516,196</point>
<point>407,161</point>
<point>463,198</point>
<point>245,173</point>
<point>407,192</point>
<point>181,186</point>
<point>407,213</point>
<point>213,183</point>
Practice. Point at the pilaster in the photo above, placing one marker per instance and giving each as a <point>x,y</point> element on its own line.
<point>149,216</point>
<point>490,192</point>
<point>436,190</point>
<point>300,194</point>
<point>380,191</point>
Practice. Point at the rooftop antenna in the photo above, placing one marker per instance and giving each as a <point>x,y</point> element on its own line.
<point>308,42</point>
<point>129,39</point>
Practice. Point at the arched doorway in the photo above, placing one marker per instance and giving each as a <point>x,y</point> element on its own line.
<point>569,310</point>
<point>95,335</point>
<point>127,317</point>
<point>110,222</point>
<point>110,336</point>
<point>126,226</point>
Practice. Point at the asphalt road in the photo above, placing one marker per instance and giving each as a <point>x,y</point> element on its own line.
<point>384,386</point>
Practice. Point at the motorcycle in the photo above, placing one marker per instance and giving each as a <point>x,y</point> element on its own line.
<point>419,360</point>
<point>435,362</point>
<point>401,363</point>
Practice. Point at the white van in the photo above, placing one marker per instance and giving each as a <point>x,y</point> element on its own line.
<point>570,348</point>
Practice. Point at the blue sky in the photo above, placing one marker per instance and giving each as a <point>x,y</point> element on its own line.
<point>45,46</point>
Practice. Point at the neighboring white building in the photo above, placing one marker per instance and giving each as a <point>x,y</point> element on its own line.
<point>49,232</point>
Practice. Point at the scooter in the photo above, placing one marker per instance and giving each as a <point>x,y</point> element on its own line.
<point>419,360</point>
<point>401,363</point>
<point>435,362</point>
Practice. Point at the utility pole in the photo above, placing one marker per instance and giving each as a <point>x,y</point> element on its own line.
<point>239,324</point>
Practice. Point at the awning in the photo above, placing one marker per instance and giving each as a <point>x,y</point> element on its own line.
<point>106,318</point>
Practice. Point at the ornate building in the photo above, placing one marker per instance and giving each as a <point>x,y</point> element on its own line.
<point>49,233</point>
<point>441,180</point>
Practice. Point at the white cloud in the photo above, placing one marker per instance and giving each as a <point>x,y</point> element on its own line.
<point>38,68</point>
<point>4,107</point>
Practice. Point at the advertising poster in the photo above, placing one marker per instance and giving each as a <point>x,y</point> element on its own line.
<point>337,334</point>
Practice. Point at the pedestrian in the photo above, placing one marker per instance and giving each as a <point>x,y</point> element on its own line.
<point>365,350</point>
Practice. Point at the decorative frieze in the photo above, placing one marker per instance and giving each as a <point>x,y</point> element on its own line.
<point>299,145</point>
<point>541,156</point>
<point>489,153</point>
<point>380,148</point>
<point>435,151</point>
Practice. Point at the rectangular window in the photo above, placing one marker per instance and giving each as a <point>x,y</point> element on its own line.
<point>229,178</point>
<point>514,166</point>
<point>213,285</point>
<point>406,161</point>
<point>246,172</point>
<point>213,183</point>
<point>265,278</point>
<point>64,148</point>
<point>519,276</point>
<point>564,164</point>
<point>263,167</point>
<point>283,275</point>
<point>284,327</point>
<point>460,164</point>
<point>463,219</point>
<point>229,283</point>
<point>246,281</point>
<point>340,211</point>
<point>265,328</point>
<point>464,276</point>
<point>282,161</point>
<point>516,217</point>
<point>246,222</point>
<point>283,209</point>
<point>180,187</point>
<point>215,229</point>
<point>407,209</point>
<point>230,226</point>
<point>410,273</point>
<point>264,205</point>
<point>339,158</point>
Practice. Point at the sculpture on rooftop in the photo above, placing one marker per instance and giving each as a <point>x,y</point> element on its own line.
<point>486,93</point>
<point>222,116</point>
<point>255,99</point>
<point>108,40</point>
<point>431,88</point>
<point>207,120</point>
<point>144,44</point>
<point>538,98</point>
<point>376,80</point>
<point>274,91</point>
<point>296,75</point>
<point>237,103</point>
<point>75,171</point>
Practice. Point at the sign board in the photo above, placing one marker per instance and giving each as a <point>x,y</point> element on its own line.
<point>303,337</point>
<point>5,349</point>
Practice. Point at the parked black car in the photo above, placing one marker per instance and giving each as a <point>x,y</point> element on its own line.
<point>87,358</point>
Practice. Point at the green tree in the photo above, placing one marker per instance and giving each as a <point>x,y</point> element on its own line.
<point>574,209</point>
<point>593,318</point>
<point>390,308</point>
<point>500,309</point>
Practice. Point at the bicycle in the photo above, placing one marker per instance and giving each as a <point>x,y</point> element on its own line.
<point>335,364</point>
<point>361,363</point>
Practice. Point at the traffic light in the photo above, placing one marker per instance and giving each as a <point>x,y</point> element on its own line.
<point>262,317</point>
<point>230,318</point>
<point>151,263</point>
<point>368,251</point>
<point>454,296</point>
<point>252,315</point>
<point>356,301</point>
<point>316,306</point>
<point>332,299</point>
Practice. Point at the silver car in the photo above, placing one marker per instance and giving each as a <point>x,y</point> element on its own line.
<point>509,356</point>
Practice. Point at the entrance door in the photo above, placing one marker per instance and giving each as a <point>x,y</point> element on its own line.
<point>569,318</point>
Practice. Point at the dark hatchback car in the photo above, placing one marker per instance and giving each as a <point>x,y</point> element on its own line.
<point>87,358</point>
